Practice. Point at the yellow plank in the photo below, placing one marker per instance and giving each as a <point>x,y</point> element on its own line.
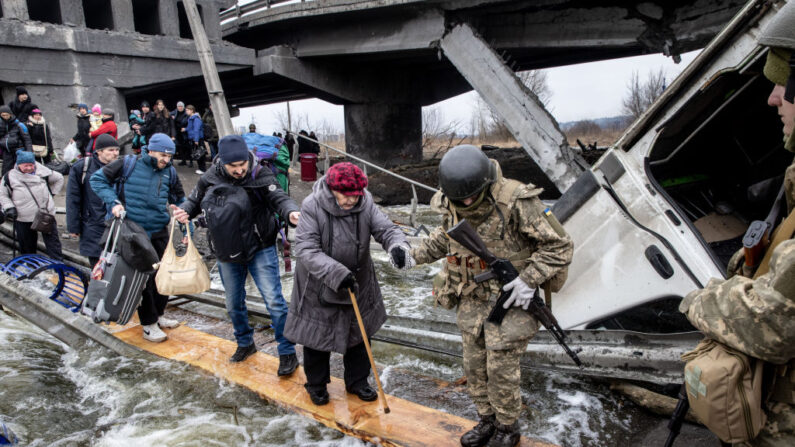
<point>409,424</point>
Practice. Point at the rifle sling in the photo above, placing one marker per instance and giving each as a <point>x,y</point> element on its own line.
<point>784,232</point>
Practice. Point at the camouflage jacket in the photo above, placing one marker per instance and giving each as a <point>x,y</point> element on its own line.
<point>518,229</point>
<point>757,316</point>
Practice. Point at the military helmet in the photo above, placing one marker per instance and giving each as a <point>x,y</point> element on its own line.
<point>779,35</point>
<point>465,171</point>
<point>780,32</point>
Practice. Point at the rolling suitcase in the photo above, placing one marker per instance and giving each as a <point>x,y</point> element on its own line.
<point>116,295</point>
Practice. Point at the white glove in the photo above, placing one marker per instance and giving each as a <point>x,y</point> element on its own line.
<point>521,294</point>
<point>396,251</point>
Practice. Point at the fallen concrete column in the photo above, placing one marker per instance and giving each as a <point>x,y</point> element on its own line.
<point>527,119</point>
<point>386,134</point>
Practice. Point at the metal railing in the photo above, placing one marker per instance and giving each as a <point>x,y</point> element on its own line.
<point>237,11</point>
<point>414,184</point>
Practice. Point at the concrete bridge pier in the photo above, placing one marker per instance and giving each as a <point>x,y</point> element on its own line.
<point>388,134</point>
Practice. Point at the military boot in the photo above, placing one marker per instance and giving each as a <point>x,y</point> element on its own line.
<point>480,434</point>
<point>505,436</point>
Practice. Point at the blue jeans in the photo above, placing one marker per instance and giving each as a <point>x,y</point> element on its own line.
<point>264,268</point>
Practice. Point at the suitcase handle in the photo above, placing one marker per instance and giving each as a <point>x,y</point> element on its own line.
<point>115,224</point>
<point>121,290</point>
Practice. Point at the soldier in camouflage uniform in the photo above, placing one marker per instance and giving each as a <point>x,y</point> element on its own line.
<point>757,316</point>
<point>514,224</point>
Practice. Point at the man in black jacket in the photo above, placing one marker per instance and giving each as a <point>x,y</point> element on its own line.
<point>13,135</point>
<point>85,211</point>
<point>239,249</point>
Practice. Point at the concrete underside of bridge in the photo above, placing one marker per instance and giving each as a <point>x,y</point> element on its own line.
<point>381,59</point>
<point>384,60</point>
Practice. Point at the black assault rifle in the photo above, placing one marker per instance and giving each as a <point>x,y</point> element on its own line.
<point>505,272</point>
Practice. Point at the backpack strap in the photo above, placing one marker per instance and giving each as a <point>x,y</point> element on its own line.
<point>86,162</point>
<point>126,171</point>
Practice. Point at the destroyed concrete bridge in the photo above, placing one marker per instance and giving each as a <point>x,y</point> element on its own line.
<point>381,59</point>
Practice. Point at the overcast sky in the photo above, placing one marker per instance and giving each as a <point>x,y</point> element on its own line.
<point>583,91</point>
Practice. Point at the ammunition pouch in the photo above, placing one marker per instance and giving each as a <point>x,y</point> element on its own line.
<point>443,294</point>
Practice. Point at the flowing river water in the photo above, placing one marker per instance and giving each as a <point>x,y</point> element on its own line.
<point>54,395</point>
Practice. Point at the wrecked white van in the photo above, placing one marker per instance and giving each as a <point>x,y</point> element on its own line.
<point>665,208</point>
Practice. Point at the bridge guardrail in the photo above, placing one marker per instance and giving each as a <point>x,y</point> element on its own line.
<point>414,184</point>
<point>240,10</point>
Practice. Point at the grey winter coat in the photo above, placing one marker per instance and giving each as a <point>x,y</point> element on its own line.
<point>314,320</point>
<point>16,195</point>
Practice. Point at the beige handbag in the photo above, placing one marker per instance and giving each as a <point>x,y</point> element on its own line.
<point>181,275</point>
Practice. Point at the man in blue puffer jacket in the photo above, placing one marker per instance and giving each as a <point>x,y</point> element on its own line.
<point>145,197</point>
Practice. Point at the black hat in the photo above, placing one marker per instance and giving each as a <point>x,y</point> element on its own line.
<point>21,90</point>
<point>105,141</point>
<point>232,148</point>
<point>145,104</point>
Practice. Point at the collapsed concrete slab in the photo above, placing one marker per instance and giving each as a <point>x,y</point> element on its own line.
<point>527,119</point>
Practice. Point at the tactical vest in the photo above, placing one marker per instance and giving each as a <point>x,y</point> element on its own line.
<point>502,238</point>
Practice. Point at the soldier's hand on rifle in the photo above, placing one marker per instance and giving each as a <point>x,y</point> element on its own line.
<point>348,283</point>
<point>521,294</point>
<point>400,257</point>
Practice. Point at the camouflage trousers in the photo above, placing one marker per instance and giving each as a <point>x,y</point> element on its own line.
<point>779,430</point>
<point>493,378</point>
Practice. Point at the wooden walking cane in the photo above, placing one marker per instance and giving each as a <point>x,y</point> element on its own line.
<point>369,351</point>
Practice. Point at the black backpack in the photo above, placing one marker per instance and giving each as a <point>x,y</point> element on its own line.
<point>230,221</point>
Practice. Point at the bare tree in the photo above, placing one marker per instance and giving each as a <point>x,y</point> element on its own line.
<point>490,125</point>
<point>437,135</point>
<point>641,94</point>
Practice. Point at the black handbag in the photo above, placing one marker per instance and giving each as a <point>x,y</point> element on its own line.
<point>43,221</point>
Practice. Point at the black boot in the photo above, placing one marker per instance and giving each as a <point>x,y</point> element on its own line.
<point>287,364</point>
<point>318,396</point>
<point>481,433</point>
<point>505,436</point>
<point>242,353</point>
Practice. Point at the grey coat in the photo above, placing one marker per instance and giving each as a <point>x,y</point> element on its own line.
<point>319,316</point>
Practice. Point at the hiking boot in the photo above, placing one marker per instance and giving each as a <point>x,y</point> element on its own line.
<point>287,364</point>
<point>243,352</point>
<point>318,397</point>
<point>199,172</point>
<point>167,323</point>
<point>153,333</point>
<point>505,436</point>
<point>365,393</point>
<point>481,433</point>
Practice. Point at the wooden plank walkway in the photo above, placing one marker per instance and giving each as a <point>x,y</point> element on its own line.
<point>409,424</point>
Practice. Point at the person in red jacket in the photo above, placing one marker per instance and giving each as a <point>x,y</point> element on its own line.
<point>108,126</point>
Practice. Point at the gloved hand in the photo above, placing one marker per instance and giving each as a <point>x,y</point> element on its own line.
<point>348,283</point>
<point>521,294</point>
<point>400,257</point>
<point>11,213</point>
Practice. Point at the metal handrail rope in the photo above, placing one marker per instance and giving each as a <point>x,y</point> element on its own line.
<point>365,162</point>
